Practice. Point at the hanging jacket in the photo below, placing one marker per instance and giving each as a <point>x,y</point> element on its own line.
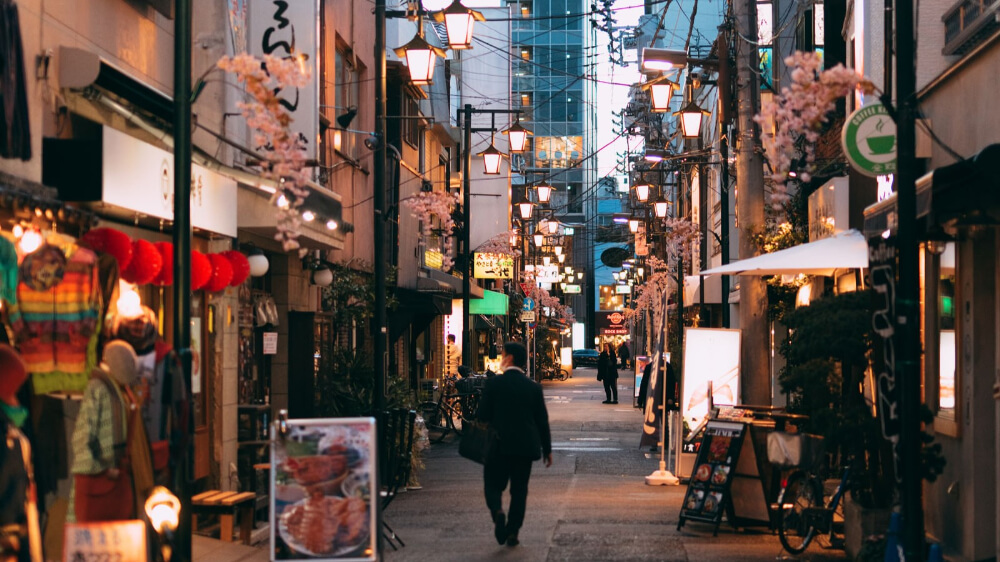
<point>56,324</point>
<point>15,128</point>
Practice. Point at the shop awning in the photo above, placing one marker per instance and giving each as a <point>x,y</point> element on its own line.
<point>847,250</point>
<point>454,283</point>
<point>492,303</point>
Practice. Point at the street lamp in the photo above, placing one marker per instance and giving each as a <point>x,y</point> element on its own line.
<point>525,208</point>
<point>654,59</point>
<point>558,250</point>
<point>660,208</point>
<point>656,154</point>
<point>561,257</point>
<point>544,192</point>
<point>518,136</point>
<point>642,192</point>
<point>458,21</point>
<point>691,116</point>
<point>633,225</point>
<point>491,159</point>
<point>553,227</point>
<point>539,240</point>
<point>660,94</point>
<point>420,56</point>
<point>546,260</point>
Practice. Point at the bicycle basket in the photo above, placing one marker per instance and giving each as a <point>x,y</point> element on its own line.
<point>794,450</point>
<point>471,384</point>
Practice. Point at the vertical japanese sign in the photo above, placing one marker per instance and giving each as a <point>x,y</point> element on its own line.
<point>882,254</point>
<point>290,29</point>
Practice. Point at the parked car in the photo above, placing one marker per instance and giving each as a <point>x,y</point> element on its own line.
<point>585,357</point>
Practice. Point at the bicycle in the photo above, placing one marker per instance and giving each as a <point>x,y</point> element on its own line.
<point>447,414</point>
<point>550,372</point>
<point>804,511</point>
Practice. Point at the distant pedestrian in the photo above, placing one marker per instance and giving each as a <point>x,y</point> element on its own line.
<point>625,355</point>
<point>515,408</point>
<point>452,357</point>
<point>607,372</point>
<point>647,371</point>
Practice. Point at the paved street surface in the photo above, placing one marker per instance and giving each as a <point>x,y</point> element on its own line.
<point>591,505</point>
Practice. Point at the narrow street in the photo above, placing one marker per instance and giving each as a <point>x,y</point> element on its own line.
<point>592,504</point>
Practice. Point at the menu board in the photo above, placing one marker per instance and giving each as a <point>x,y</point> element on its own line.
<point>708,492</point>
<point>121,541</point>
<point>322,488</point>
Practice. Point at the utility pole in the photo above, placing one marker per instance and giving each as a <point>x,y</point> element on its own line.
<point>726,115</point>
<point>754,355</point>
<point>907,337</point>
<point>466,215</point>
<point>183,476</point>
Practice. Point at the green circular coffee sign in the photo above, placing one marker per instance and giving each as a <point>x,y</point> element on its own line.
<point>869,140</point>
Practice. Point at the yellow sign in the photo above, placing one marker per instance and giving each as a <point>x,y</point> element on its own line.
<point>121,541</point>
<point>493,266</point>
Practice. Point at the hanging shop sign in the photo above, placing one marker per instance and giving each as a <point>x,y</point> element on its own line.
<point>140,177</point>
<point>572,289</point>
<point>883,254</point>
<point>291,30</point>
<point>869,140</point>
<point>493,266</point>
<point>327,467</point>
<point>122,541</point>
<point>611,323</point>
<point>547,274</point>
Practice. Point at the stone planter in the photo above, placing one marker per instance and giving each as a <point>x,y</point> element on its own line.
<point>861,522</point>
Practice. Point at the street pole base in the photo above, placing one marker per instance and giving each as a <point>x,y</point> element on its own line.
<point>662,478</point>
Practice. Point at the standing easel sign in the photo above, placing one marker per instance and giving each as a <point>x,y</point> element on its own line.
<point>708,493</point>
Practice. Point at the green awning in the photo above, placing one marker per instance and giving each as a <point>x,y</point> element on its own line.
<point>491,303</point>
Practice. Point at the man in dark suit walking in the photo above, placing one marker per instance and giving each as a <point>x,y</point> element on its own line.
<point>514,407</point>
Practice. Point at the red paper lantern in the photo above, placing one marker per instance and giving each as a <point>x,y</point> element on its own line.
<point>145,265</point>
<point>241,267</point>
<point>222,273</point>
<point>201,270</point>
<point>166,276</point>
<point>110,241</point>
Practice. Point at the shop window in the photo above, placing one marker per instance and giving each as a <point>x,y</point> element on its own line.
<point>410,125</point>
<point>947,351</point>
<point>347,80</point>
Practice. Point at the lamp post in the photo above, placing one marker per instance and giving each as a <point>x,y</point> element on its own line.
<point>465,116</point>
<point>183,476</point>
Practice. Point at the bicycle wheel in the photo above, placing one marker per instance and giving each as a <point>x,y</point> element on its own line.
<point>563,374</point>
<point>436,425</point>
<point>801,492</point>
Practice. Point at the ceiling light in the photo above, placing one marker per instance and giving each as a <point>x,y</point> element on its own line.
<point>308,216</point>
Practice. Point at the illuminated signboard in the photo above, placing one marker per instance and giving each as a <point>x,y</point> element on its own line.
<point>611,324</point>
<point>493,266</point>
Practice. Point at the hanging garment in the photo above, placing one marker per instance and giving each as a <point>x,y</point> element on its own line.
<point>15,129</point>
<point>8,271</point>
<point>56,319</point>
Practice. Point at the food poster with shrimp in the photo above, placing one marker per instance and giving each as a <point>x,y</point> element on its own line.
<point>322,483</point>
<point>709,487</point>
<point>711,365</point>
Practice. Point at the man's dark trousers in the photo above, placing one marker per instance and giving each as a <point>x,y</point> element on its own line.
<point>498,471</point>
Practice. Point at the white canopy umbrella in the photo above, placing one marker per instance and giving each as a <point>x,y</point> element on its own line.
<point>846,250</point>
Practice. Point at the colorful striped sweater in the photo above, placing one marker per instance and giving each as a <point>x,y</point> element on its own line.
<point>54,327</point>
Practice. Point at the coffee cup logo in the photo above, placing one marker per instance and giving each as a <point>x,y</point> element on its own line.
<point>869,140</point>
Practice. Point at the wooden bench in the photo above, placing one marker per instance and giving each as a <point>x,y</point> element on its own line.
<point>226,505</point>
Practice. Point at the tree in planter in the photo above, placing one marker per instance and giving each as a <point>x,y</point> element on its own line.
<point>827,354</point>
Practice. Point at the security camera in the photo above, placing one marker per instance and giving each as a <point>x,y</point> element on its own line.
<point>372,142</point>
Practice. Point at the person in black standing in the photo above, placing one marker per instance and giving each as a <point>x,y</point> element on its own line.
<point>608,373</point>
<point>515,408</point>
<point>625,355</point>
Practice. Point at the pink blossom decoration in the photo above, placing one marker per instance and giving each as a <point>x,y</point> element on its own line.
<point>799,113</point>
<point>428,205</point>
<point>283,152</point>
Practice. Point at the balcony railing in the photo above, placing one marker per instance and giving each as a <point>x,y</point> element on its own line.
<point>968,23</point>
